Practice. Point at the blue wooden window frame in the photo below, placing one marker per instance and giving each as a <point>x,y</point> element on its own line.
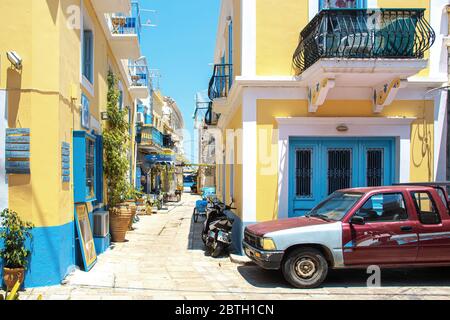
<point>80,139</point>
<point>88,55</point>
<point>99,168</point>
<point>360,4</point>
<point>85,112</point>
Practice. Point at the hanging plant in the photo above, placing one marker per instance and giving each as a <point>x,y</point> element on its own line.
<point>116,141</point>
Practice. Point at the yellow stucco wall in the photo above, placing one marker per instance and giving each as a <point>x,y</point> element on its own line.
<point>39,98</point>
<point>278,24</point>
<point>267,155</point>
<point>237,38</point>
<point>234,129</point>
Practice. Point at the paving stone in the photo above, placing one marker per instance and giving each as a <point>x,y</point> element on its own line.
<point>164,259</point>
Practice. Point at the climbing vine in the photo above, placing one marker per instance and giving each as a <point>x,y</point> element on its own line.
<point>116,141</point>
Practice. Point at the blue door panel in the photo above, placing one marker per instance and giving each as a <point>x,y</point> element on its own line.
<point>381,154</point>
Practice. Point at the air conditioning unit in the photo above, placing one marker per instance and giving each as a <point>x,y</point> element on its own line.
<point>101,224</point>
<point>140,118</point>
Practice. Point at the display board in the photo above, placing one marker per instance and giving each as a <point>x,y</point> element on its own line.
<point>85,236</point>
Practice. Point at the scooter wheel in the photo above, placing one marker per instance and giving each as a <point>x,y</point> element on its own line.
<point>217,250</point>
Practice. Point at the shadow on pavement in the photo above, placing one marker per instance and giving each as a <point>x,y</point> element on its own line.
<point>419,277</point>
<point>195,235</point>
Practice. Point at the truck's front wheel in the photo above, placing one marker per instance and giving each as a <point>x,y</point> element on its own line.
<point>305,268</point>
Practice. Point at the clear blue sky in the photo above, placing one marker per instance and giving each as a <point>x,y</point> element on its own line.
<point>181,47</point>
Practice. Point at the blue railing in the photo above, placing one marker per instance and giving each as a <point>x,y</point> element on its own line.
<point>122,24</point>
<point>150,136</point>
<point>139,75</point>
<point>157,137</point>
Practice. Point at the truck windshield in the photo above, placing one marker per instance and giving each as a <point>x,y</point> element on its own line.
<point>336,206</point>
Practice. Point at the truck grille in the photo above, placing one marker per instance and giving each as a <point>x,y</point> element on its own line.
<point>251,239</point>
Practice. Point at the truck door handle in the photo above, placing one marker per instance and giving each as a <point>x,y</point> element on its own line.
<point>406,228</point>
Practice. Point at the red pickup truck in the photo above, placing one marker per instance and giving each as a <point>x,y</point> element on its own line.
<point>396,226</point>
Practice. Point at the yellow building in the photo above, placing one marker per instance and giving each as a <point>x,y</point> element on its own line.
<point>314,97</point>
<point>55,92</point>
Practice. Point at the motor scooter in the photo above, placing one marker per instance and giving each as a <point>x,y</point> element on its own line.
<point>217,230</point>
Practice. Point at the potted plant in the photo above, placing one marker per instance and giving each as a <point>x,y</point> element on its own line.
<point>116,142</point>
<point>14,253</point>
<point>132,198</point>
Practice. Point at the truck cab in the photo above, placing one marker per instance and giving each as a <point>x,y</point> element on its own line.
<point>395,226</point>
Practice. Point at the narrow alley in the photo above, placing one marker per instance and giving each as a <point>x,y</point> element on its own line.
<point>164,259</point>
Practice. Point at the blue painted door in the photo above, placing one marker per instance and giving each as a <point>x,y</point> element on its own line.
<point>318,167</point>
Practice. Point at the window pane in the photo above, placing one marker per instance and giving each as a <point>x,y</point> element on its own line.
<point>384,208</point>
<point>426,208</point>
<point>330,4</point>
<point>90,171</point>
<point>339,169</point>
<point>88,48</point>
<point>304,173</point>
<point>336,206</point>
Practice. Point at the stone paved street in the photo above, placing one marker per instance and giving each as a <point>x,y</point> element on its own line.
<point>164,259</point>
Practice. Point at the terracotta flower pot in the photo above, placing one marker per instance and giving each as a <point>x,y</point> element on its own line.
<point>119,220</point>
<point>11,276</point>
<point>133,208</point>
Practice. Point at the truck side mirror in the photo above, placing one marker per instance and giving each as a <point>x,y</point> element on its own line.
<point>357,220</point>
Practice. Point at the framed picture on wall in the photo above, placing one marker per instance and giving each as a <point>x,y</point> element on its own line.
<point>85,236</point>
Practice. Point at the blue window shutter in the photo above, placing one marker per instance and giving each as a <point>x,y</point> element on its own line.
<point>120,100</point>
<point>88,52</point>
<point>99,168</point>
<point>79,166</point>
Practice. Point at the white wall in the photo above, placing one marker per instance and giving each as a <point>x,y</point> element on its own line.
<point>3,126</point>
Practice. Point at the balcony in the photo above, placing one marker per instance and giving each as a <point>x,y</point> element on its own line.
<point>359,39</point>
<point>150,138</point>
<point>125,33</point>
<point>109,6</point>
<point>221,81</point>
<point>139,81</point>
<point>168,141</point>
<point>211,118</point>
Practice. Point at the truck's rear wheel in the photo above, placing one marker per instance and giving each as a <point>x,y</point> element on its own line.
<point>305,268</point>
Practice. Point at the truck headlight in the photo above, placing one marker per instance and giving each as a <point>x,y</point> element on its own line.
<point>267,244</point>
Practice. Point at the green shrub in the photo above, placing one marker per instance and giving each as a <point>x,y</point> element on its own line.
<point>14,233</point>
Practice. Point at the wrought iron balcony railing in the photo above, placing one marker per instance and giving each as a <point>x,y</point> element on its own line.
<point>139,75</point>
<point>121,24</point>
<point>168,141</point>
<point>211,118</point>
<point>221,81</point>
<point>364,33</point>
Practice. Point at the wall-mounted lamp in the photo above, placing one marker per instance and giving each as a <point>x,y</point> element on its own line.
<point>342,128</point>
<point>15,59</point>
<point>104,115</point>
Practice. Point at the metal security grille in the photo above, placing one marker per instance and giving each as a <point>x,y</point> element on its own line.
<point>375,168</point>
<point>304,173</point>
<point>339,169</point>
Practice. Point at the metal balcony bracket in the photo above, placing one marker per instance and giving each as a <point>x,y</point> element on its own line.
<point>385,94</point>
<point>319,92</point>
